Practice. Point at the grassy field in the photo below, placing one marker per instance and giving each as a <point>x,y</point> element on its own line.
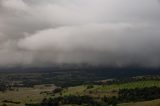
<point>138,84</point>
<point>109,90</point>
<point>31,95</point>
<point>26,95</point>
<point>146,103</point>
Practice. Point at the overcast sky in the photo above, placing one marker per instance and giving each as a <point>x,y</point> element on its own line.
<point>119,33</point>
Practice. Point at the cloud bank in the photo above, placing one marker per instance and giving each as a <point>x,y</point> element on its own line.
<point>119,33</point>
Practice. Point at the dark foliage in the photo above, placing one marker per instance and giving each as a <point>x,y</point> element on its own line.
<point>133,95</point>
<point>57,90</point>
<point>78,100</point>
<point>8,101</point>
<point>139,94</point>
<point>72,75</point>
<point>3,87</point>
<point>110,100</point>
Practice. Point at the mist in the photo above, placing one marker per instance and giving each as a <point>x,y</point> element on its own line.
<point>114,33</point>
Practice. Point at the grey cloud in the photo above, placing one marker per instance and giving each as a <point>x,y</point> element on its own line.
<point>98,44</point>
<point>106,32</point>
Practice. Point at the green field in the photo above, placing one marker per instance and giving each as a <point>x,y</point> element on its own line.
<point>33,95</point>
<point>101,90</point>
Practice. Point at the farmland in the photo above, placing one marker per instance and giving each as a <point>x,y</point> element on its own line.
<point>97,89</point>
<point>146,103</point>
<point>35,94</point>
<point>33,88</point>
<point>26,95</point>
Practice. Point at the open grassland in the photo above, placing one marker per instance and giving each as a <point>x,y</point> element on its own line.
<point>146,103</point>
<point>25,95</point>
<point>130,85</point>
<point>33,95</point>
<point>108,90</point>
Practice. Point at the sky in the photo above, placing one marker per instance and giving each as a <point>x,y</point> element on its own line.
<point>40,33</point>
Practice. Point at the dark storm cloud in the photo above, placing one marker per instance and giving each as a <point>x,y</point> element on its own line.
<point>98,32</point>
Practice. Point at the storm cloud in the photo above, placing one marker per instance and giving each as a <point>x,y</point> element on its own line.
<point>116,33</point>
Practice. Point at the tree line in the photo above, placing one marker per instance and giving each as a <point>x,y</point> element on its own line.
<point>124,96</point>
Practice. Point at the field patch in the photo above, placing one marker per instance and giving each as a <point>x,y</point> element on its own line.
<point>26,95</point>
<point>146,103</point>
<point>108,90</point>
